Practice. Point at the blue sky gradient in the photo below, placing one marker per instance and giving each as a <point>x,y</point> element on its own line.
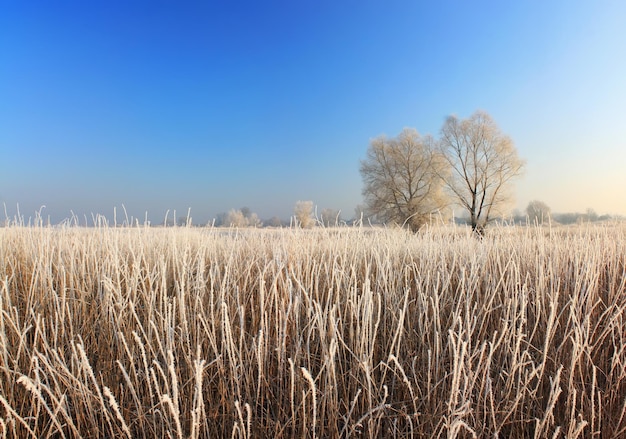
<point>217,105</point>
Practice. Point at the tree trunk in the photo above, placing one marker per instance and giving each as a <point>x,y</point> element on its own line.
<point>478,229</point>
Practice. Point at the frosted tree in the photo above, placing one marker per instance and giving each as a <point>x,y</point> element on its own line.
<point>235,218</point>
<point>537,212</point>
<point>482,163</point>
<point>401,179</point>
<point>330,217</point>
<point>303,213</point>
<point>241,218</point>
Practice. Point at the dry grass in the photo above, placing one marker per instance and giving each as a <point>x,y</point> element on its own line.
<point>138,332</point>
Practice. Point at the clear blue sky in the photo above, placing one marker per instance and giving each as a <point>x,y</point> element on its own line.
<point>216,105</point>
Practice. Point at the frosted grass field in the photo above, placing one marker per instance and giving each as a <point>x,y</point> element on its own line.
<point>185,332</point>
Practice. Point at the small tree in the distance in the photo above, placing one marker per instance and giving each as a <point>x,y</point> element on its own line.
<point>538,212</point>
<point>330,217</point>
<point>303,213</point>
<point>237,218</point>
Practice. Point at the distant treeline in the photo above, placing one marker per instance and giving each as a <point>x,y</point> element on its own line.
<point>572,217</point>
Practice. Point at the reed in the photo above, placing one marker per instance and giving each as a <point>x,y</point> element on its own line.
<point>337,332</point>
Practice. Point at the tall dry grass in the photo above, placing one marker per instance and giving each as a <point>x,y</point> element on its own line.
<point>180,332</point>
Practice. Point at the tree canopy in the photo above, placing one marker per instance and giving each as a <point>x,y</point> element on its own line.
<point>401,179</point>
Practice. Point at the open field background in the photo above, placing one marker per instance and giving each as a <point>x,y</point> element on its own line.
<point>181,332</point>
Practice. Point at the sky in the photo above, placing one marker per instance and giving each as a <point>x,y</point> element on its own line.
<point>157,106</point>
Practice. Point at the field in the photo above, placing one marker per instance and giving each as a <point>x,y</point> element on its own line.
<point>348,332</point>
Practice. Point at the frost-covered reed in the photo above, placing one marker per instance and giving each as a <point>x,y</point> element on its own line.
<point>185,332</point>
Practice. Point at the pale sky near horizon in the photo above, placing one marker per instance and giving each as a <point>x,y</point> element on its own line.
<point>162,106</point>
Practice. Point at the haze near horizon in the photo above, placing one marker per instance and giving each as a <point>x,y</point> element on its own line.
<point>211,106</point>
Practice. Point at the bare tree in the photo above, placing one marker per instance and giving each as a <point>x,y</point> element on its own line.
<point>303,212</point>
<point>235,218</point>
<point>400,176</point>
<point>482,162</point>
<point>330,217</point>
<point>537,212</point>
